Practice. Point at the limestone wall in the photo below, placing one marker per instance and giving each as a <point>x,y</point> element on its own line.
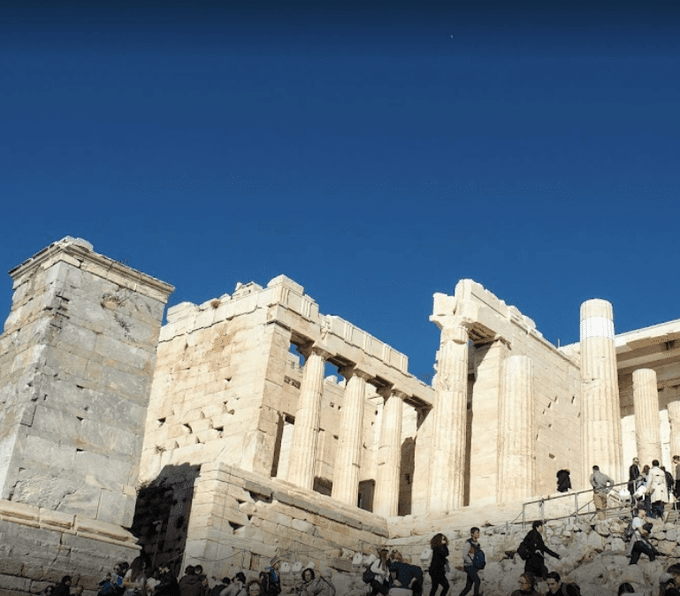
<point>226,386</point>
<point>241,520</point>
<point>39,547</point>
<point>76,359</point>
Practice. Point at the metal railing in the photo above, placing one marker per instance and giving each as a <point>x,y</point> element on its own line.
<point>578,509</point>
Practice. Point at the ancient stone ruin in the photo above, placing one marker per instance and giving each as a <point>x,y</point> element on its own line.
<point>221,438</point>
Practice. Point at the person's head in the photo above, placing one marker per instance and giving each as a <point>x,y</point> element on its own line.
<point>437,540</point>
<point>636,462</point>
<point>118,568</point>
<point>537,525</point>
<point>676,459</point>
<point>655,463</point>
<point>674,570</point>
<point>395,555</point>
<point>239,577</point>
<point>198,569</point>
<point>626,588</point>
<point>66,580</point>
<point>49,590</point>
<point>596,468</point>
<point>526,582</point>
<point>552,580</point>
<point>190,570</point>
<point>382,554</point>
<point>136,567</point>
<point>275,563</point>
<point>474,532</point>
<point>253,588</point>
<point>645,469</point>
<point>226,581</point>
<point>308,574</point>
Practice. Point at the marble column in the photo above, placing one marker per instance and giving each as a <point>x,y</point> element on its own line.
<point>600,408</point>
<point>674,419</point>
<point>306,430</point>
<point>386,499</point>
<point>517,432</point>
<point>447,464</point>
<point>348,456</point>
<point>647,423</point>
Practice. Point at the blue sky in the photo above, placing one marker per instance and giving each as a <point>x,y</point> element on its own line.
<point>374,152</point>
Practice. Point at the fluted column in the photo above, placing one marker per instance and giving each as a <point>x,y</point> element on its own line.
<point>347,460</point>
<point>674,419</point>
<point>386,499</point>
<point>600,409</point>
<point>516,432</point>
<point>647,423</point>
<point>306,430</point>
<point>447,465</point>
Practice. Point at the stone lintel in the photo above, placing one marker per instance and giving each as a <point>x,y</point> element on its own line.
<point>80,254</point>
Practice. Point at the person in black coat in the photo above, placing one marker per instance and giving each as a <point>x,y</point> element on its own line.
<point>63,588</point>
<point>535,562</point>
<point>633,475</point>
<point>563,481</point>
<point>437,570</point>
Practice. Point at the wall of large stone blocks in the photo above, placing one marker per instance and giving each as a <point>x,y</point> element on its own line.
<point>557,402</point>
<point>207,394</point>
<point>38,547</point>
<point>241,520</point>
<point>76,359</point>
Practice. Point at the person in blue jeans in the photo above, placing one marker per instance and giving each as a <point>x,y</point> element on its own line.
<point>470,547</point>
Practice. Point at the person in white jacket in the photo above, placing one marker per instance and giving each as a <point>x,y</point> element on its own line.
<point>658,489</point>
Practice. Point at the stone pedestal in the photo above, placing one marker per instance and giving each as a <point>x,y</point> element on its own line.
<point>601,411</point>
<point>346,469</point>
<point>76,361</point>
<point>517,432</point>
<point>386,500</point>
<point>674,419</point>
<point>646,404</point>
<point>306,431</point>
<point>447,465</point>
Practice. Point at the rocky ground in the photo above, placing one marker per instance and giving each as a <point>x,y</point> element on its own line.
<point>592,555</point>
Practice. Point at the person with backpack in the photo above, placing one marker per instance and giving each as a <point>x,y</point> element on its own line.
<point>533,549</point>
<point>556,587</point>
<point>639,541</point>
<point>473,561</point>
<point>271,583</point>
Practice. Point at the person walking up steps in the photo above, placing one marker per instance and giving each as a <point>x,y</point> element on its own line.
<point>471,562</point>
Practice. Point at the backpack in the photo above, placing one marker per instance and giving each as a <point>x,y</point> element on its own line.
<point>478,559</point>
<point>523,551</point>
<point>368,575</point>
<point>273,587</point>
<point>571,589</point>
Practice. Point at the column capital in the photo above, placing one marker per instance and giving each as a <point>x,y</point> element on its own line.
<point>314,348</point>
<point>389,391</point>
<point>460,334</point>
<point>352,371</point>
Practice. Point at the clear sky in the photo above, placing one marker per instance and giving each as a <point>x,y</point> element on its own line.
<point>376,153</point>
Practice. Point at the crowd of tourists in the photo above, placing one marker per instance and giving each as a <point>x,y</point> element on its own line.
<point>650,488</point>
